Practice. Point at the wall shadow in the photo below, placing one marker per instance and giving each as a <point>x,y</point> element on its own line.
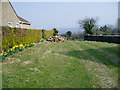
<point>101,57</point>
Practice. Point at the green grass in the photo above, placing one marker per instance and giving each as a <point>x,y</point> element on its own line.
<point>71,64</point>
<point>0,40</point>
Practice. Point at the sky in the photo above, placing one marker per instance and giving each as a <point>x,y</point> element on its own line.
<point>63,0</point>
<point>65,15</point>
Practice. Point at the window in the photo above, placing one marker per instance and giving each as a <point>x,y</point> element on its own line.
<point>17,24</point>
<point>10,24</point>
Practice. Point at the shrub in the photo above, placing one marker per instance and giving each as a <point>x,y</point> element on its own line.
<point>49,33</point>
<point>55,32</point>
<point>17,39</point>
<point>69,33</point>
<point>43,34</point>
<point>16,36</point>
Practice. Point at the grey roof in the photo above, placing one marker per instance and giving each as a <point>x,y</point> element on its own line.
<point>23,20</point>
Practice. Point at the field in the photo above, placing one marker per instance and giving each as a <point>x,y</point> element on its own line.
<point>70,64</point>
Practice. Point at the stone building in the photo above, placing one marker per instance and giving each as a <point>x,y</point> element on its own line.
<point>10,18</point>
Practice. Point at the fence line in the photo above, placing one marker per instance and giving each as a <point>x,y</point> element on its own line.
<point>110,39</point>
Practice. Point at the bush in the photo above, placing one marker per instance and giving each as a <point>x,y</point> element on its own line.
<point>69,33</point>
<point>17,39</point>
<point>49,34</point>
<point>43,34</point>
<point>16,36</point>
<point>55,32</point>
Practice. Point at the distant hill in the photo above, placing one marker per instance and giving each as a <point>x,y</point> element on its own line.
<point>73,30</point>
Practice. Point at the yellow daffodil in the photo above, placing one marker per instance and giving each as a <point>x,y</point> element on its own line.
<point>1,54</point>
<point>21,45</point>
<point>16,46</point>
<point>5,53</point>
<point>11,49</point>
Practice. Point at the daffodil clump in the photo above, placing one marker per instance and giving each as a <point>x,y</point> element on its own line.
<point>14,49</point>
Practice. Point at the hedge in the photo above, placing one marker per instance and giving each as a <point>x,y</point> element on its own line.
<point>106,38</point>
<point>0,39</point>
<point>16,36</point>
<point>49,33</point>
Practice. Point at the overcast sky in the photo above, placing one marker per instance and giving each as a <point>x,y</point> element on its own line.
<point>65,15</point>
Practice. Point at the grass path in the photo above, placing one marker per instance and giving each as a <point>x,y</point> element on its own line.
<point>71,64</point>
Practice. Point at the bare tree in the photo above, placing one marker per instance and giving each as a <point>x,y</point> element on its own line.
<point>88,25</point>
